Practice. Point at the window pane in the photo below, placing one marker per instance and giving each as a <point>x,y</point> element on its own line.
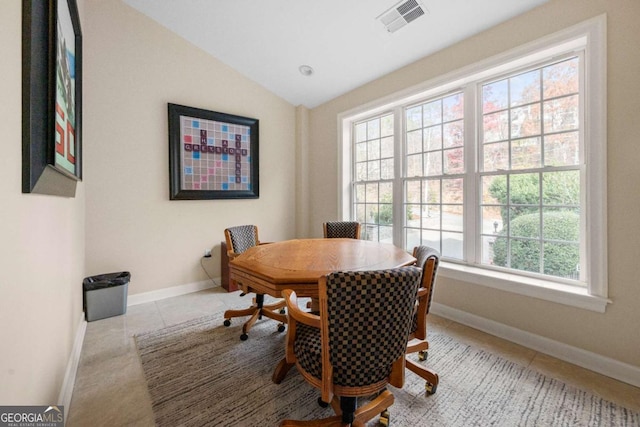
<point>431,191</point>
<point>431,216</point>
<point>412,238</point>
<point>453,134</point>
<point>373,129</point>
<point>494,189</point>
<point>432,113</point>
<point>386,169</point>
<point>372,193</point>
<point>526,153</point>
<point>562,260</point>
<point>431,238</point>
<point>452,219</point>
<point>413,216</point>
<point>454,161</point>
<point>491,220</point>
<point>525,121</point>
<point>496,156</point>
<point>433,138</point>
<point>373,170</point>
<point>561,188</point>
<point>385,234</point>
<point>562,149</point>
<point>414,118</point>
<point>525,255</point>
<point>561,225</point>
<point>452,191</point>
<point>414,142</point>
<point>386,147</point>
<point>524,222</point>
<point>414,165</point>
<point>412,194</point>
<point>361,171</point>
<point>452,245</point>
<point>524,189</point>
<point>452,107</point>
<point>494,96</point>
<point>361,132</point>
<point>525,88</point>
<point>360,213</point>
<point>373,149</point>
<point>495,126</point>
<point>361,152</point>
<point>433,163</point>
<point>561,78</point>
<point>359,193</point>
<point>561,114</point>
<point>386,125</point>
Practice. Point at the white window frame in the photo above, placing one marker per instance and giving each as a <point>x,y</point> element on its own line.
<point>588,36</point>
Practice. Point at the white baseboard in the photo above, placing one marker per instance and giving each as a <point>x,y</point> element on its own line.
<point>621,371</point>
<point>173,291</point>
<point>66,391</point>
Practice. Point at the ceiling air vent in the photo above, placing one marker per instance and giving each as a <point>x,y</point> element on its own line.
<point>401,14</point>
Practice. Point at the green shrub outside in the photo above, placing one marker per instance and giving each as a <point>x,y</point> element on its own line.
<point>560,259</point>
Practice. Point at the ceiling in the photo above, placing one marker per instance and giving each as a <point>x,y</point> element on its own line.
<point>344,43</point>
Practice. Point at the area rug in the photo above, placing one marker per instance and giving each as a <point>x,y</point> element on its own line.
<point>199,373</point>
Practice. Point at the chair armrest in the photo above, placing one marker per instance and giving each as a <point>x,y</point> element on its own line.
<point>296,313</point>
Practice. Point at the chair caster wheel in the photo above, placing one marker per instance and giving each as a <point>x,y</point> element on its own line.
<point>422,355</point>
<point>244,337</point>
<point>227,322</point>
<point>384,418</point>
<point>322,403</point>
<point>281,327</point>
<point>430,388</point>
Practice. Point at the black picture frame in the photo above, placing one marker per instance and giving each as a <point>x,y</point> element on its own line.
<point>212,155</point>
<point>51,97</point>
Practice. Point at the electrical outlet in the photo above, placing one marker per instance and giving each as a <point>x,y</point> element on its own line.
<point>207,253</point>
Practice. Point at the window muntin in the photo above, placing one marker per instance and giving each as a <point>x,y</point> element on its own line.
<point>374,174</point>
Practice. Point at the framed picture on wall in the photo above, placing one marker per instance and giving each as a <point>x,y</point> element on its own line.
<point>212,155</point>
<point>52,96</point>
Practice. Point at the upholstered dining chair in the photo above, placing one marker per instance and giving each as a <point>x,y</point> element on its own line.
<point>427,259</point>
<point>239,239</point>
<point>341,229</point>
<point>357,343</point>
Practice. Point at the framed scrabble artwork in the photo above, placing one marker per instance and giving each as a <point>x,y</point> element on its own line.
<point>212,155</point>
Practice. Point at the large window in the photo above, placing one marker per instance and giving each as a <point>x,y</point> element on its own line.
<point>502,169</point>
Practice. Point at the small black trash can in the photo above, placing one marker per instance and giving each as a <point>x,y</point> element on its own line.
<point>105,295</point>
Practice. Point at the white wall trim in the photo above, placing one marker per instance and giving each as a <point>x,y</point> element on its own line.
<point>66,391</point>
<point>621,371</point>
<point>173,291</point>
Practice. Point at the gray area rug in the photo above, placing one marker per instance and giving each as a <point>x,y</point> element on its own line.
<point>199,373</point>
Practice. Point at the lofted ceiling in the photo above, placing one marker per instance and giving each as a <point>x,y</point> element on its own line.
<point>342,40</point>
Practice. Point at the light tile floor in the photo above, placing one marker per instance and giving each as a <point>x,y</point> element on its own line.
<point>110,388</point>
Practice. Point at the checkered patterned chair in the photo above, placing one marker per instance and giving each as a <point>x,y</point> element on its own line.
<point>239,239</point>
<point>341,229</point>
<point>356,346</point>
<point>427,259</point>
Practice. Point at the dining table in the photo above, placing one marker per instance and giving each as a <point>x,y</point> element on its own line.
<point>298,264</point>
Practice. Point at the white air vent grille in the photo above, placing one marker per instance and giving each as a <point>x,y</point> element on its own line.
<point>401,14</point>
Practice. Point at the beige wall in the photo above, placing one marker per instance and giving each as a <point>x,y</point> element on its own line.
<point>41,253</point>
<point>133,68</point>
<point>613,334</point>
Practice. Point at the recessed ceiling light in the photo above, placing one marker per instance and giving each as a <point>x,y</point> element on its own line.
<point>305,70</point>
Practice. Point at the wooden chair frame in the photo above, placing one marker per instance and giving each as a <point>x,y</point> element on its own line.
<point>418,339</point>
<point>258,308</point>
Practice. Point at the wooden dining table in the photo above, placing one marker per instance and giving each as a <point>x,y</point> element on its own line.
<point>298,264</point>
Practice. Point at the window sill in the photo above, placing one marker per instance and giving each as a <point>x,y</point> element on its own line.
<point>560,293</point>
